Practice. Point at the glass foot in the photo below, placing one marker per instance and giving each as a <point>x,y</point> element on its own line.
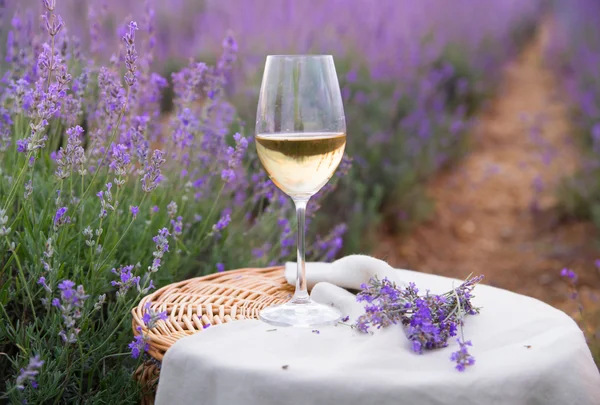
<point>305,315</point>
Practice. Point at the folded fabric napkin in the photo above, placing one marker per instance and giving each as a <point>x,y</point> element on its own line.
<point>527,353</point>
<point>328,281</point>
<point>347,272</point>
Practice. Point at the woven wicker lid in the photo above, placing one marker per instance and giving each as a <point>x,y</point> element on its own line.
<point>210,300</point>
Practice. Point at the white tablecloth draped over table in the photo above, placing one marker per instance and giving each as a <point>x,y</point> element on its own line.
<point>527,352</point>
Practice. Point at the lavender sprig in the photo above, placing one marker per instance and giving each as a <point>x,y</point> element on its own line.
<point>29,373</point>
<point>71,157</point>
<point>162,246</point>
<point>462,357</point>
<point>60,218</point>
<point>131,54</point>
<point>70,305</point>
<point>151,317</point>
<point>139,344</point>
<point>429,320</point>
<point>152,172</point>
<point>126,280</point>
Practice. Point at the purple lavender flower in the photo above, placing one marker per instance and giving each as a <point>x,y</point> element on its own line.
<point>111,97</point>
<point>423,328</point>
<point>172,209</point>
<point>228,56</point>
<point>119,163</point>
<point>42,281</point>
<point>66,287</point>
<point>220,267</point>
<point>228,175</point>
<point>22,145</point>
<point>48,106</point>
<point>151,317</point>
<point>29,373</point>
<point>73,156</point>
<point>105,197</point>
<point>222,223</point>
<point>177,225</point>
<point>152,172</point>
<point>50,5</point>
<point>5,130</point>
<point>235,157</point>
<point>138,141</point>
<point>187,83</point>
<point>134,210</point>
<point>46,64</point>
<point>70,305</point>
<point>60,218</point>
<point>139,344</point>
<point>568,273</point>
<point>54,23</point>
<point>162,246</point>
<point>462,357</point>
<point>362,324</point>
<point>131,54</point>
<point>185,126</point>
<point>126,280</point>
<point>156,262</point>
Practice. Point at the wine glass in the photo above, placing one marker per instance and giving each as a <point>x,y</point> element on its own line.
<point>300,140</point>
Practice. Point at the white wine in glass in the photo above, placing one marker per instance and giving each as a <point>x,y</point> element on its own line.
<point>300,140</point>
<point>300,163</point>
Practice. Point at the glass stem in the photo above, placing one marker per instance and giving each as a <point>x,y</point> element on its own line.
<point>301,295</point>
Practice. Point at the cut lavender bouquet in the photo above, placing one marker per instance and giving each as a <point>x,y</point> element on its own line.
<point>429,320</point>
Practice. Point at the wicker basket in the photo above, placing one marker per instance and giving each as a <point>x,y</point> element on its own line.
<point>210,300</point>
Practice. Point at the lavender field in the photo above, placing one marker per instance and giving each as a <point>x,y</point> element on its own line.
<point>128,159</point>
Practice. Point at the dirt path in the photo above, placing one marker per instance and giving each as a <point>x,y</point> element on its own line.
<point>495,210</point>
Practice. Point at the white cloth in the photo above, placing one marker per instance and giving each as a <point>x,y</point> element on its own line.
<point>526,353</point>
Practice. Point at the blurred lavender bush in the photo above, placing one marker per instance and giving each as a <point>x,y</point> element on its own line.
<point>574,51</point>
<point>412,76</point>
<point>102,199</point>
<point>126,165</point>
<point>411,79</point>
